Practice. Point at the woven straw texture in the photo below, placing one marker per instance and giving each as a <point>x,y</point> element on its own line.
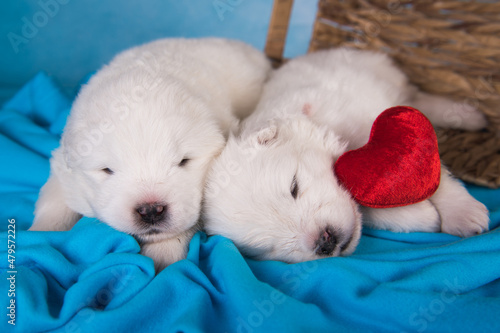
<point>449,48</point>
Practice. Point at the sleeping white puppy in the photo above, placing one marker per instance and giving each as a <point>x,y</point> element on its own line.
<point>273,191</point>
<point>141,136</point>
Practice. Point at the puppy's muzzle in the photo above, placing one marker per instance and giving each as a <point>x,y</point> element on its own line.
<point>152,213</point>
<point>331,242</point>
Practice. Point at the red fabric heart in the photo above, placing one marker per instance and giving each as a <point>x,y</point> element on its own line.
<point>398,166</point>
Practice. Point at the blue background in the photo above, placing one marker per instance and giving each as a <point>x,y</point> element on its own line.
<point>70,38</point>
<point>92,279</point>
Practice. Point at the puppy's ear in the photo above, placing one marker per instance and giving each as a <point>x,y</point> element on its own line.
<point>51,211</point>
<point>307,109</point>
<point>334,144</point>
<point>267,136</point>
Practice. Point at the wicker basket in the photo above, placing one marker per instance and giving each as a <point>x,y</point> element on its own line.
<point>449,48</point>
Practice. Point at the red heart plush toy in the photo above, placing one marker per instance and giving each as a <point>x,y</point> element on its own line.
<point>398,166</point>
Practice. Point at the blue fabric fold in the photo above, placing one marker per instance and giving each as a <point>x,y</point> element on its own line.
<point>93,279</point>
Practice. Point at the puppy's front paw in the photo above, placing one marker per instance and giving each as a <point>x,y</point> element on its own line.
<point>467,217</point>
<point>165,252</point>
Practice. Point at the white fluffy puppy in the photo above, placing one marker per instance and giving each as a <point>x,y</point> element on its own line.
<point>140,138</point>
<point>273,190</point>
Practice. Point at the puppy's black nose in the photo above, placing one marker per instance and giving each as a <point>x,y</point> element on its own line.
<point>151,212</point>
<point>327,242</point>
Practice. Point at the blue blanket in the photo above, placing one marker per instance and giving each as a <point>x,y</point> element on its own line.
<point>92,279</point>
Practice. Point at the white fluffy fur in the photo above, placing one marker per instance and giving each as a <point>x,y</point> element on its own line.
<point>312,110</point>
<point>140,116</point>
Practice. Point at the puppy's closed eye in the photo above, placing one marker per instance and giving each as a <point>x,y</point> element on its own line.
<point>108,171</point>
<point>183,162</point>
<point>294,188</point>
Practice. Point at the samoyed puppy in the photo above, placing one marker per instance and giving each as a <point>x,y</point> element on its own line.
<point>141,136</point>
<point>273,191</point>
